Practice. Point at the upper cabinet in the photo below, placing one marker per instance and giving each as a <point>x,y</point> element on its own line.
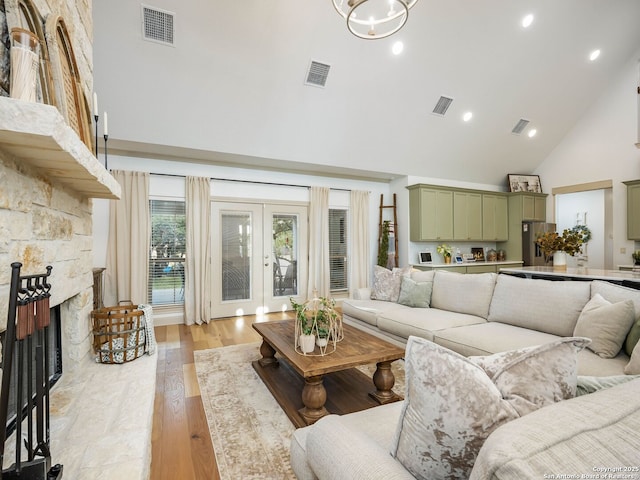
<point>430,214</point>
<point>522,206</point>
<point>633,209</point>
<point>534,206</point>
<point>452,214</point>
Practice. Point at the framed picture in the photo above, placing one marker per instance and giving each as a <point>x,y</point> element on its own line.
<point>424,257</point>
<point>478,254</point>
<point>524,183</point>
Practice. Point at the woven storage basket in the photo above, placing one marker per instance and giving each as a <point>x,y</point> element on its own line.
<point>118,333</point>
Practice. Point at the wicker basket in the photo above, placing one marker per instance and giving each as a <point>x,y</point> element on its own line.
<point>118,333</point>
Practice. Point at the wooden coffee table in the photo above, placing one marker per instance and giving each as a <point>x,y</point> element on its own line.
<point>310,387</point>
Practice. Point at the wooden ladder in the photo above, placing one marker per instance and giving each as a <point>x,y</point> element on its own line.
<point>393,226</point>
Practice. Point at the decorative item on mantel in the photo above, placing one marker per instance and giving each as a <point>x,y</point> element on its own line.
<point>317,324</point>
<point>558,246</point>
<point>25,64</point>
<point>446,251</point>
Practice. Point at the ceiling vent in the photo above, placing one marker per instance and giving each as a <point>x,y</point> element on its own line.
<point>317,74</point>
<point>442,106</point>
<point>157,25</point>
<point>520,126</point>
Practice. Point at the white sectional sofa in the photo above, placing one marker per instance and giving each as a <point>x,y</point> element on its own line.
<point>595,435</point>
<point>481,314</point>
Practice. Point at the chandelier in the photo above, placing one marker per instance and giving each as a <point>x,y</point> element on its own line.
<point>372,19</point>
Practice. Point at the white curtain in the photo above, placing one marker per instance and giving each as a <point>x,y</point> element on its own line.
<point>318,242</point>
<point>359,258</point>
<point>197,269</point>
<point>127,274</point>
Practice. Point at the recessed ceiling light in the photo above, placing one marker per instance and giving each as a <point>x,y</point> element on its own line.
<point>527,20</point>
<point>532,133</point>
<point>595,54</point>
<point>467,116</point>
<point>397,48</point>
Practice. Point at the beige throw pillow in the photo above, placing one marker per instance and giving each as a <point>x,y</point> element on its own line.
<point>386,283</point>
<point>633,367</point>
<point>606,324</point>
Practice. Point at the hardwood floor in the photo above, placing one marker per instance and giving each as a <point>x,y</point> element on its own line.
<point>180,444</point>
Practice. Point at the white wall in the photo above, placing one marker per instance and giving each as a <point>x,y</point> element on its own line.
<point>601,147</point>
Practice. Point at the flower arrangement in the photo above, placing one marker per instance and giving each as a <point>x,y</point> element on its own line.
<point>444,250</point>
<point>316,318</point>
<point>583,231</point>
<point>636,257</point>
<point>569,242</point>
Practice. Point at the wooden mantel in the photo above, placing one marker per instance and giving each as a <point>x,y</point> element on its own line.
<point>36,134</point>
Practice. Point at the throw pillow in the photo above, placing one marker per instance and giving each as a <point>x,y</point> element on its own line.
<point>589,384</point>
<point>386,283</point>
<point>533,377</point>
<point>606,324</point>
<point>415,294</point>
<point>450,408</point>
<point>632,338</point>
<point>633,367</point>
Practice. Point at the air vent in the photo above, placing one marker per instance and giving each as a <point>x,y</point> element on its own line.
<point>317,74</point>
<point>520,126</point>
<point>442,106</point>
<point>157,25</point>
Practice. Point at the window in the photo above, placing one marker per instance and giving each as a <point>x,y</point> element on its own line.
<point>338,266</point>
<point>167,252</point>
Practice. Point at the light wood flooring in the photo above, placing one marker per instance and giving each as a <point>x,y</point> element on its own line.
<point>180,443</point>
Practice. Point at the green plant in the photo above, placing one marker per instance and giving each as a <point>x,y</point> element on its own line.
<point>636,256</point>
<point>444,250</point>
<point>569,242</point>
<point>319,312</point>
<point>383,249</point>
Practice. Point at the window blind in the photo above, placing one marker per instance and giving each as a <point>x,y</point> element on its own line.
<point>338,241</point>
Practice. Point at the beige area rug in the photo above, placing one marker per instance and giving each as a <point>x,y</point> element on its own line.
<point>250,432</point>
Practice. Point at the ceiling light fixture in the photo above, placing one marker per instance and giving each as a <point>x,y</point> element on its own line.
<point>397,48</point>
<point>532,133</point>
<point>467,116</point>
<point>527,20</point>
<point>373,19</point>
<point>593,55</point>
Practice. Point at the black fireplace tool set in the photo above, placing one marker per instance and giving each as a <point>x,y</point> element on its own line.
<point>26,338</point>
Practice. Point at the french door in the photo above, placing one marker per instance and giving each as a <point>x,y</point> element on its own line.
<point>259,255</point>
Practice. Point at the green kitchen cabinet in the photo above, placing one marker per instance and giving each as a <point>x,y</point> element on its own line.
<point>633,209</point>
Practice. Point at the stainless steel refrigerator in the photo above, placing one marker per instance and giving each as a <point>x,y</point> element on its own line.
<point>531,253</point>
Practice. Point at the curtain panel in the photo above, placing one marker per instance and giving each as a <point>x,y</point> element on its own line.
<point>360,245</point>
<point>319,279</point>
<point>197,288</point>
<point>127,273</point>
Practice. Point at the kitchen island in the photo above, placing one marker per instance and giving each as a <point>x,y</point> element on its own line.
<point>626,278</point>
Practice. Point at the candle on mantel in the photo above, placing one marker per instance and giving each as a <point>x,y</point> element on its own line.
<point>95,104</point>
<point>106,124</point>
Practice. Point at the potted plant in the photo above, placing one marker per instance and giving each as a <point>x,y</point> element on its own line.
<point>304,324</point>
<point>446,251</point>
<point>383,247</point>
<point>636,258</point>
<point>317,321</point>
<point>558,246</point>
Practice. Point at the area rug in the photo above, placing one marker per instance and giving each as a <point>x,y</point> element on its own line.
<point>249,431</point>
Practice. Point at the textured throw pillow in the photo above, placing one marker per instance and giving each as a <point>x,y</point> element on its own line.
<point>386,283</point>
<point>533,377</point>
<point>450,408</point>
<point>606,324</point>
<point>633,367</point>
<point>415,294</point>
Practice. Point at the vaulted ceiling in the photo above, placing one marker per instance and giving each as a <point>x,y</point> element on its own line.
<point>232,90</point>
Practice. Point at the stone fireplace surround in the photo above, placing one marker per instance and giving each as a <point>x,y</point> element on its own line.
<point>101,415</point>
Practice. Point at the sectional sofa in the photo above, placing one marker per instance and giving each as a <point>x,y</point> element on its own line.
<point>463,322</point>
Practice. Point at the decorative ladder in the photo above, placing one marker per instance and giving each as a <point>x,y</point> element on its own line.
<point>393,226</point>
<point>28,321</point>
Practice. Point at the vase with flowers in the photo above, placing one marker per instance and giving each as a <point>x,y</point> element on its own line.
<point>317,321</point>
<point>636,260</point>
<point>446,251</point>
<point>556,246</point>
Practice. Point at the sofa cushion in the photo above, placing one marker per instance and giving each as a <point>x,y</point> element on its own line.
<point>542,305</point>
<point>422,322</point>
<point>415,294</point>
<point>386,283</point>
<point>589,384</point>
<point>368,310</point>
<point>445,418</point>
<point>422,275</point>
<point>533,377</point>
<point>571,437</point>
<point>606,324</point>
<point>457,292</point>
<point>617,293</point>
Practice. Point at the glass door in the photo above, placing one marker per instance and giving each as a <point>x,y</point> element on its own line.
<point>259,257</point>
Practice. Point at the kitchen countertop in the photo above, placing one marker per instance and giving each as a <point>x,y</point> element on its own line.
<point>454,264</point>
<point>577,272</point>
